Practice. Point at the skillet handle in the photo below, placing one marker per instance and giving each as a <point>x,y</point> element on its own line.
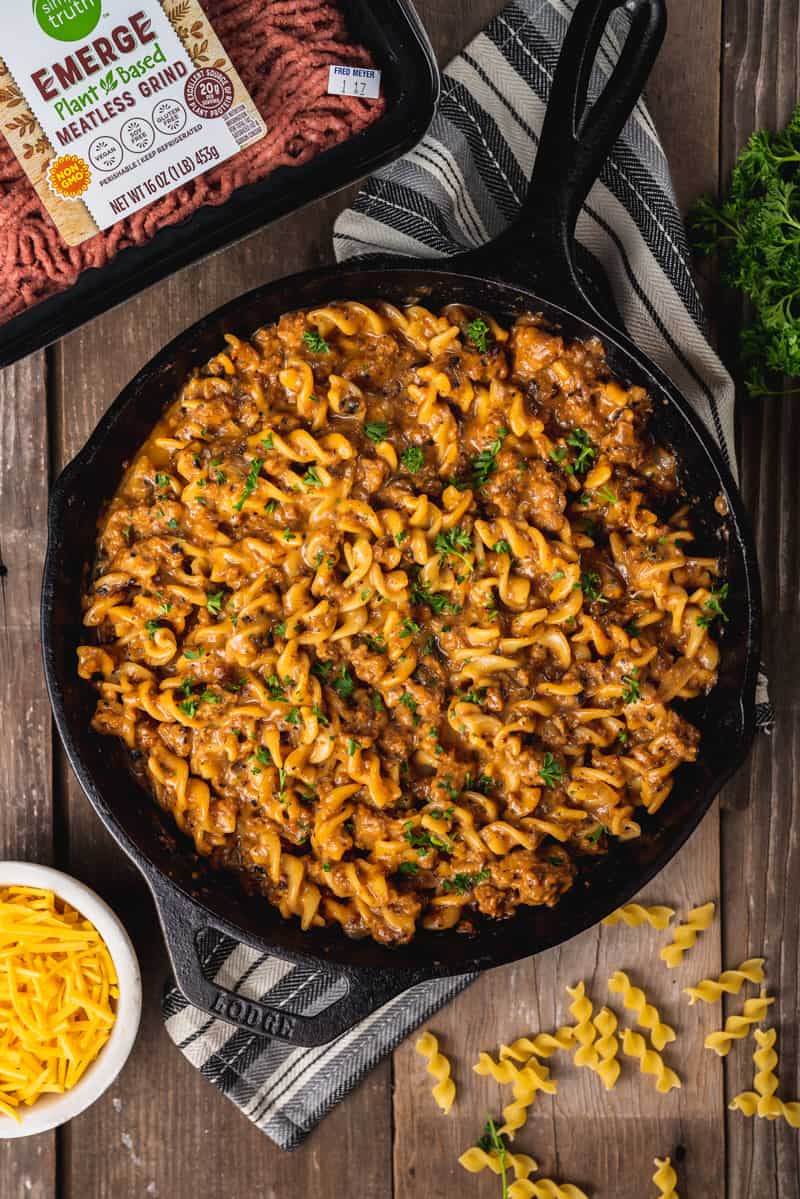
<point>182,921</point>
<point>575,141</point>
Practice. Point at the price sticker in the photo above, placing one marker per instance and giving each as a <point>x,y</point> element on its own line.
<point>362,82</point>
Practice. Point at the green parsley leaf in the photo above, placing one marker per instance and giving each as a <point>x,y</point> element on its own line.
<point>276,689</point>
<point>409,868</point>
<point>250,483</point>
<point>152,627</point>
<point>293,716</point>
<point>311,478</point>
<point>189,708</point>
<point>594,836</point>
<point>713,605</point>
<point>270,507</point>
<point>580,441</point>
<point>194,654</point>
<point>436,600</point>
<point>607,494</point>
<point>461,884</point>
<point>591,585</point>
<point>632,692</point>
<point>408,701</point>
<point>550,771</point>
<point>320,715</point>
<point>210,697</point>
<point>377,431</point>
<point>409,627</point>
<point>479,334</point>
<point>315,342</point>
<point>476,696</point>
<point>343,684</point>
<point>501,547</point>
<point>352,746</point>
<point>413,459</point>
<point>214,602</point>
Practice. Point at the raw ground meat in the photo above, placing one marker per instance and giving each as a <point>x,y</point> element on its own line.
<point>282,51</point>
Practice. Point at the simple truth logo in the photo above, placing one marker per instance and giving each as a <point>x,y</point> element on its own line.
<point>68,20</point>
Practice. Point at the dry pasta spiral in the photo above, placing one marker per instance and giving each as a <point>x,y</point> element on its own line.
<point>438,1066</point>
<point>607,1046</point>
<point>737,1027</point>
<point>635,915</point>
<point>665,1178</point>
<point>650,1061</point>
<point>730,982</point>
<point>685,935</point>
<point>647,1016</point>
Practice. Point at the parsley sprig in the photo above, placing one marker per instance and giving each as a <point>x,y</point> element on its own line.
<point>713,606</point>
<point>462,883</point>
<point>633,691</point>
<point>479,334</point>
<point>250,482</point>
<point>316,343</point>
<point>756,231</point>
<point>550,771</point>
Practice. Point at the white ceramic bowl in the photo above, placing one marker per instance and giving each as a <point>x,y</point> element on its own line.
<point>51,1110</point>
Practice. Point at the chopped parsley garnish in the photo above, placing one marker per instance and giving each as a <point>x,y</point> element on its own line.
<point>162,480</point>
<point>456,542</point>
<point>501,547</point>
<point>315,342</point>
<point>322,669</point>
<point>377,701</point>
<point>581,442</point>
<point>293,716</point>
<point>288,535</point>
<point>189,708</point>
<point>408,701</point>
<point>557,574</point>
<point>326,866</point>
<point>279,629</point>
<point>311,478</point>
<point>409,627</point>
<point>320,715</point>
<point>607,494</point>
<point>413,459</point>
<point>632,692</point>
<point>554,861</point>
<point>270,507</point>
<point>214,602</point>
<point>479,334</point>
<point>250,482</point>
<point>194,654</point>
<point>152,627</point>
<point>550,771</point>
<point>352,746</point>
<point>268,442</point>
<point>128,534</point>
<point>713,606</point>
<point>591,585</point>
<point>423,839</point>
<point>463,883</point>
<point>476,696</point>
<point>210,697</point>
<point>236,686</point>
<point>437,601</point>
<point>377,431</point>
<point>343,684</point>
<point>375,644</point>
<point>559,453</point>
<point>409,868</point>
<point>172,523</point>
<point>594,836</point>
<point>622,736</point>
<point>276,689</point>
<point>485,464</point>
<point>478,782</point>
<point>400,537</point>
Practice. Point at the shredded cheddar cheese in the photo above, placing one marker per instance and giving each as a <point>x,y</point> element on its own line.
<point>58,988</point>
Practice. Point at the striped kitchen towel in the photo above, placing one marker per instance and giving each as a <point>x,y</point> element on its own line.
<point>460,187</point>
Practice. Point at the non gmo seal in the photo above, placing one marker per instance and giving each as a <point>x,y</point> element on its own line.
<point>209,93</point>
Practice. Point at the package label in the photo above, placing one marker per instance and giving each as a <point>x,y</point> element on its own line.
<point>112,104</point>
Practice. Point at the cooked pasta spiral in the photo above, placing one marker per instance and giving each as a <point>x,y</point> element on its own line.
<point>665,1178</point>
<point>730,982</point>
<point>685,935</point>
<point>737,1027</point>
<point>650,1062</point>
<point>390,612</point>
<point>635,915</point>
<point>438,1067</point>
<point>647,1016</point>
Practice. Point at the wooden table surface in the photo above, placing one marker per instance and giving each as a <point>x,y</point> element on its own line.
<point>728,66</point>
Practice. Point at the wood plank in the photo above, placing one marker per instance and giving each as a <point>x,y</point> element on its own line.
<point>760,841</point>
<point>603,1142</point>
<point>27,1167</point>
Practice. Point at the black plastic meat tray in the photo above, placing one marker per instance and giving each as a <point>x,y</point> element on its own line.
<point>394,33</point>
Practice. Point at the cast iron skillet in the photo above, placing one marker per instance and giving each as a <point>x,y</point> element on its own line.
<point>530,268</point>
